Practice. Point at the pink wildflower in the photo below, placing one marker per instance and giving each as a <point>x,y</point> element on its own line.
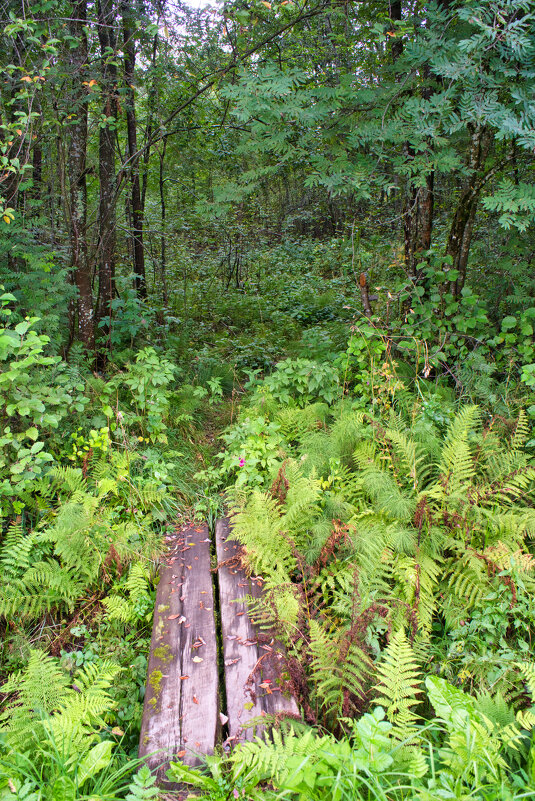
<point>242,461</point>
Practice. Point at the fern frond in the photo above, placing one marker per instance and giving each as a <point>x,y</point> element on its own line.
<point>417,580</point>
<point>528,672</point>
<point>69,480</point>
<point>388,498</point>
<point>399,685</point>
<point>137,582</point>
<point>118,608</point>
<point>46,701</point>
<point>15,553</point>
<point>340,670</point>
<point>522,431</point>
<point>277,760</point>
<point>259,528</point>
<point>407,457</point>
<point>456,461</point>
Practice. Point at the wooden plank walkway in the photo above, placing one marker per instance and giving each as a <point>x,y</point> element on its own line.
<point>181,713</point>
<point>252,662</point>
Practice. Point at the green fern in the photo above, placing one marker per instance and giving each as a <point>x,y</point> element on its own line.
<point>399,686</point>
<point>16,549</point>
<point>522,431</point>
<point>137,587</point>
<point>45,700</point>
<point>54,565</point>
<point>456,461</point>
<point>340,671</point>
<point>277,760</point>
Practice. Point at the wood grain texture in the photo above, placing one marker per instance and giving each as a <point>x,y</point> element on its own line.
<point>250,658</point>
<point>180,714</point>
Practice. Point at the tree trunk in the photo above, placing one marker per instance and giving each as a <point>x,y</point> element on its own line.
<point>107,195</point>
<point>76,169</point>
<point>163,256</point>
<point>150,124</point>
<point>418,201</point>
<point>135,189</point>
<point>460,235</point>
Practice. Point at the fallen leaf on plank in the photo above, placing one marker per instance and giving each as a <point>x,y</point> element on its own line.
<point>198,659</point>
<point>184,677</point>
<point>230,661</point>
<point>223,718</point>
<point>195,699</point>
<point>181,754</point>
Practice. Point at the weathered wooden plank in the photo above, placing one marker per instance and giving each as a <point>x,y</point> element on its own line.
<point>180,714</point>
<point>248,662</point>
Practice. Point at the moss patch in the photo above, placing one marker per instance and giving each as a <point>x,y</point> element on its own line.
<point>155,681</point>
<point>163,653</point>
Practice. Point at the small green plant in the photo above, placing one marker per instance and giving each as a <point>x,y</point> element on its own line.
<point>252,449</point>
<point>301,381</point>
<point>36,394</point>
<point>97,442</point>
<point>129,317</point>
<point>142,786</point>
<point>216,781</point>
<point>145,408</point>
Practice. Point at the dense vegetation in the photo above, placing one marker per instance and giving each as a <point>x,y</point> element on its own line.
<point>275,260</point>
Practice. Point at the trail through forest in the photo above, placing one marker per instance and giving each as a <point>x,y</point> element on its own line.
<point>268,263</point>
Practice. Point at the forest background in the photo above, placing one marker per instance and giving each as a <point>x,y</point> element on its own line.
<point>272,258</point>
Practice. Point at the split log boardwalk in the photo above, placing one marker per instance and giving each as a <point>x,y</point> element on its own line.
<point>184,699</point>
<point>252,662</point>
<point>180,714</point>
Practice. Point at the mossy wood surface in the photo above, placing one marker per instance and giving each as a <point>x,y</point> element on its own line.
<point>254,662</point>
<point>180,715</point>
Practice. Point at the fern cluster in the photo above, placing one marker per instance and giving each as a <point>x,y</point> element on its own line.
<point>46,702</point>
<point>79,541</point>
<point>376,532</point>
